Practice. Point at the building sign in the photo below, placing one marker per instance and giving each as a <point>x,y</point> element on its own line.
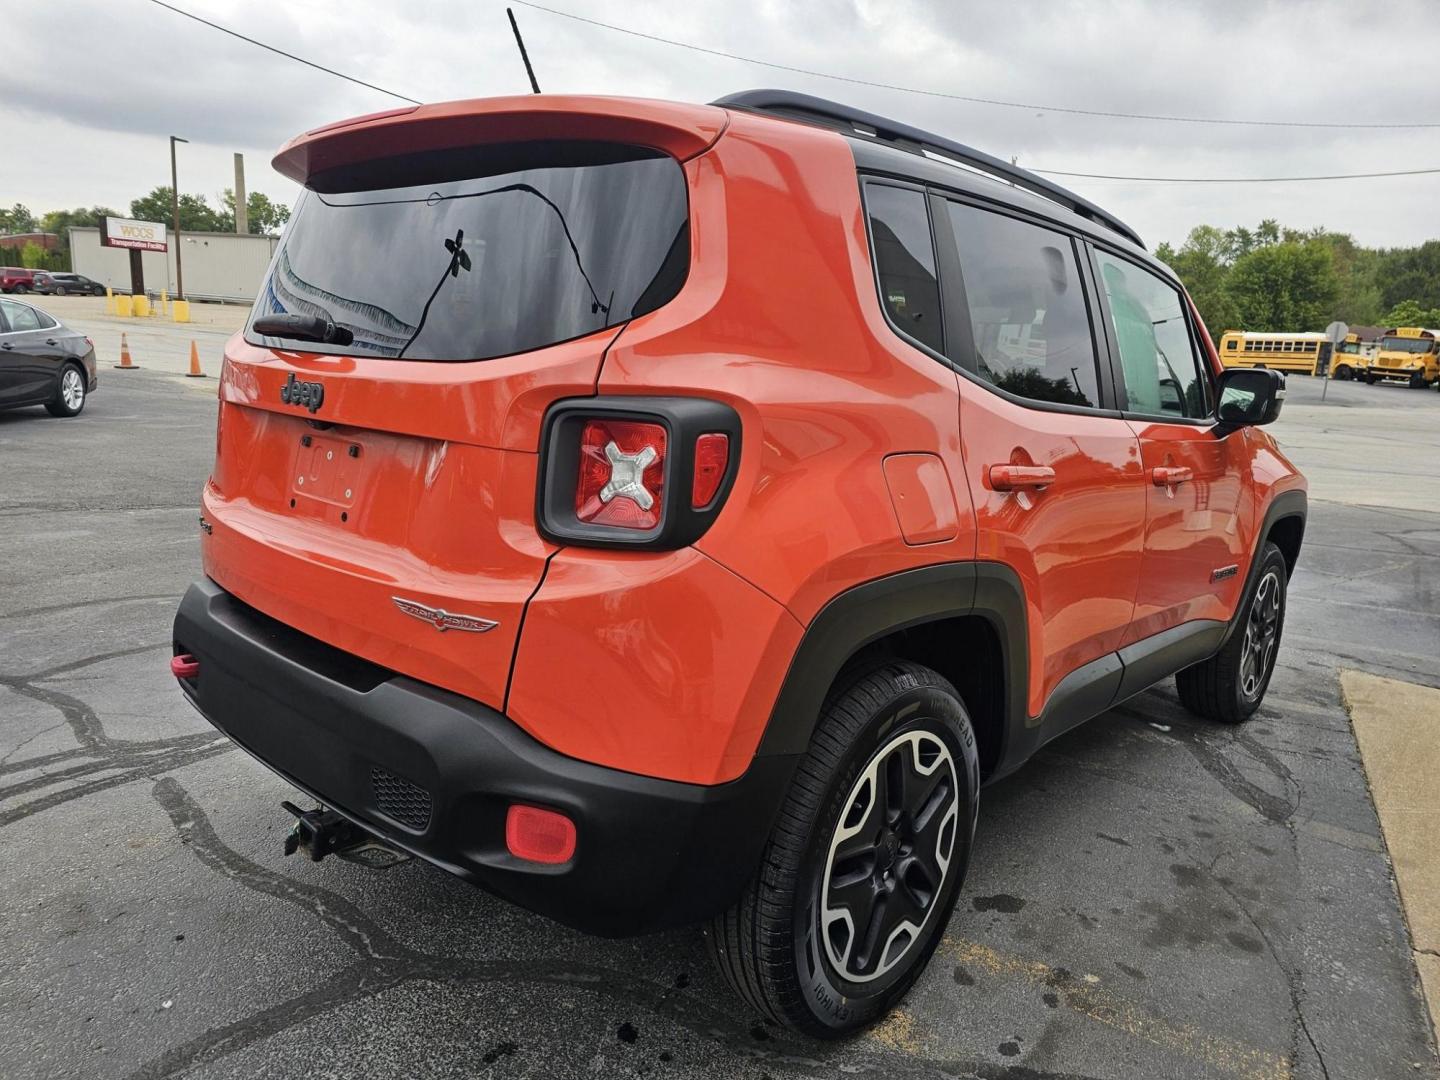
<point>138,235</point>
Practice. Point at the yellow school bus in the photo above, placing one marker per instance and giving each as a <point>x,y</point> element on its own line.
<point>1410,354</point>
<point>1349,361</point>
<point>1306,354</point>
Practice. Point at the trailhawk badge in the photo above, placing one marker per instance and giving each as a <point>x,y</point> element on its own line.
<point>441,619</point>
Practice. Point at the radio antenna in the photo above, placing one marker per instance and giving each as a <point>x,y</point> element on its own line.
<point>520,42</point>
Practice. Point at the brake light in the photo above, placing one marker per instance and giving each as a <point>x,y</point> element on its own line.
<point>621,480</point>
<point>536,835</point>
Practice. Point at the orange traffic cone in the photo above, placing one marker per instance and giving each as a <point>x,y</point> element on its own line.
<point>126,364</point>
<point>194,372</point>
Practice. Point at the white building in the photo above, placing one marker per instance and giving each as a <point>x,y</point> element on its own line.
<point>217,266</point>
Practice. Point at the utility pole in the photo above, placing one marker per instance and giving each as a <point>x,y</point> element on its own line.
<point>242,206</point>
<point>175,205</point>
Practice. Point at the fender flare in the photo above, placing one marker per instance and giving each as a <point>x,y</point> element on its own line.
<point>865,613</point>
<point>1293,504</point>
<point>875,609</point>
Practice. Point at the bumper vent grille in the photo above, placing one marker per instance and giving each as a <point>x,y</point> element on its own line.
<point>401,800</point>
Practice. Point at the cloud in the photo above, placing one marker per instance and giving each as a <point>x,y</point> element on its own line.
<point>95,131</point>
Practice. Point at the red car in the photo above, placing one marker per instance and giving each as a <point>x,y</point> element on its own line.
<point>16,279</point>
<point>663,514</point>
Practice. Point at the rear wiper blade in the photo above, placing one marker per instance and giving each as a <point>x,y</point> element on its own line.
<point>302,328</point>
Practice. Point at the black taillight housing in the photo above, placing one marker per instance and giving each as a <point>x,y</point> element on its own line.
<point>643,473</point>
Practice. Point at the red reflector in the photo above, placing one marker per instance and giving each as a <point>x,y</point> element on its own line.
<point>712,455</point>
<point>622,474</point>
<point>184,666</point>
<point>542,836</point>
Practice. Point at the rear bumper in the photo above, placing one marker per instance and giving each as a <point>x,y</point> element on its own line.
<point>650,854</point>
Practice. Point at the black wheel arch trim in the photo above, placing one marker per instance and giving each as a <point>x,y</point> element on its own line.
<point>875,609</point>
<point>1291,505</point>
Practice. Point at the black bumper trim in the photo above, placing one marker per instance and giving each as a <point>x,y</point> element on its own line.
<point>651,853</point>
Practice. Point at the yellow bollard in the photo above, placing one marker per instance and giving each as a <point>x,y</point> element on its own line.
<point>110,301</point>
<point>124,306</point>
<point>180,310</point>
<point>164,300</point>
<point>142,305</point>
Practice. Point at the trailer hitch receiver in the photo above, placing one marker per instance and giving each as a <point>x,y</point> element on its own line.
<point>322,832</point>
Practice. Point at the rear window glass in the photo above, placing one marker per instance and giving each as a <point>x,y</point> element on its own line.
<point>482,253</point>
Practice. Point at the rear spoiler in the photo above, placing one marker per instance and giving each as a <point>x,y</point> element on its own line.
<point>682,131</point>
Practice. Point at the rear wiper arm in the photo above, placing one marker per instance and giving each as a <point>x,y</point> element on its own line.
<point>302,328</point>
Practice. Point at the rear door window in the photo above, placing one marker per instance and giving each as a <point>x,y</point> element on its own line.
<point>1031,326</point>
<point>20,317</point>
<point>1164,373</point>
<point>479,253</point>
<point>905,262</point>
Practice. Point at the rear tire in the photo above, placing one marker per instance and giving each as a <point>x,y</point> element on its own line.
<point>59,290</point>
<point>865,860</point>
<point>97,291</point>
<point>20,290</point>
<point>1343,373</point>
<point>1230,685</point>
<point>70,394</point>
<point>1417,381</point>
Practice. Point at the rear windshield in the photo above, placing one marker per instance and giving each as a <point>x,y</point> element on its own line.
<point>482,253</point>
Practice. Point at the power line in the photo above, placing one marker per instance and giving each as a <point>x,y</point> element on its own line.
<point>1047,172</point>
<point>961,97</point>
<point>1234,179</point>
<point>282,52</point>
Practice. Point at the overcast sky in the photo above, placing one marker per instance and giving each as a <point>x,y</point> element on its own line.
<point>91,88</point>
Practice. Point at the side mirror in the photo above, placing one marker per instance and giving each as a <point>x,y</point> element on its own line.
<point>1249,396</point>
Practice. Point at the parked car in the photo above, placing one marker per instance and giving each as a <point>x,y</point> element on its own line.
<point>43,361</point>
<point>61,283</point>
<point>16,279</point>
<point>703,503</point>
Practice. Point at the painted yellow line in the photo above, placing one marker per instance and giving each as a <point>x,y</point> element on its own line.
<point>1091,1000</point>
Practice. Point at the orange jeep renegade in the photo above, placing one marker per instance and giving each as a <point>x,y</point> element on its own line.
<point>661,514</point>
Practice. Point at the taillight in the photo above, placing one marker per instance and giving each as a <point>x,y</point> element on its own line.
<point>647,473</point>
<point>621,481</point>
<point>712,458</point>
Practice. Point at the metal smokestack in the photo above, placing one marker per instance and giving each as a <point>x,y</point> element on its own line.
<point>242,216</point>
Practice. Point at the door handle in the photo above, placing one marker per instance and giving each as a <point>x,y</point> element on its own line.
<point>1169,475</point>
<point>1021,477</point>
<point>7,346</point>
<point>51,341</point>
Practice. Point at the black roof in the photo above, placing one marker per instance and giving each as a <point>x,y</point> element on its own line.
<point>880,129</point>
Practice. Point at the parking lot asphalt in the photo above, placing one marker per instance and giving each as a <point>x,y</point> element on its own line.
<point>1152,896</point>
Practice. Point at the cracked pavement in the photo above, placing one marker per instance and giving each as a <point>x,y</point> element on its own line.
<point>1152,896</point>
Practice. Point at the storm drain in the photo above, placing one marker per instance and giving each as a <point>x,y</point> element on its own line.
<point>401,800</point>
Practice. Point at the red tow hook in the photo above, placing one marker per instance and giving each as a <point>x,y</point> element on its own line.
<point>184,666</point>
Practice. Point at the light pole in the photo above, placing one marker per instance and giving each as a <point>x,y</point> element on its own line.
<point>175,205</point>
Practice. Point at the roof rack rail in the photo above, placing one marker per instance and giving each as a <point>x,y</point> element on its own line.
<point>814,110</point>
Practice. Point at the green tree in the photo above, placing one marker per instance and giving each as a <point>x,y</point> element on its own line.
<point>262,217</point>
<point>60,222</point>
<point>195,213</point>
<point>1285,286</point>
<point>38,258</point>
<point>1410,274</point>
<point>1412,313</point>
<point>1202,264</point>
<point>18,219</point>
<point>1358,301</point>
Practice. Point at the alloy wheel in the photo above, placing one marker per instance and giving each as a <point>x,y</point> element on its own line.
<point>1262,632</point>
<point>889,856</point>
<point>72,389</point>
